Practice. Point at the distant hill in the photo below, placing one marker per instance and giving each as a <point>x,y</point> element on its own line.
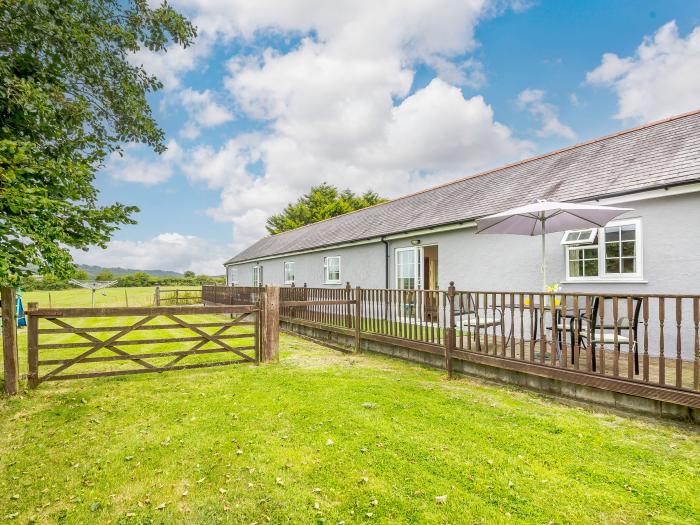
<point>94,270</point>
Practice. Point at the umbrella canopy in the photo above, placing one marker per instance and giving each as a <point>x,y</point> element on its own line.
<point>548,217</point>
<point>542,217</point>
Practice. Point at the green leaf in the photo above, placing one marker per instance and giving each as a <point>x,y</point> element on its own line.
<point>68,98</point>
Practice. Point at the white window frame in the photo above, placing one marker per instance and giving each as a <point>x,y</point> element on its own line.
<point>587,239</point>
<point>326,267</point>
<point>600,244</point>
<point>257,275</point>
<point>418,250</point>
<point>232,275</point>
<point>289,264</point>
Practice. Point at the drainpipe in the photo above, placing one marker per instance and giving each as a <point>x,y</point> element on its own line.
<point>386,262</point>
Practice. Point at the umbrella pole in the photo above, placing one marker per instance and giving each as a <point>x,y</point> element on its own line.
<point>544,262</point>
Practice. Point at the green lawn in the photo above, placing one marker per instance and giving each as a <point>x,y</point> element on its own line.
<point>81,297</point>
<point>327,438</point>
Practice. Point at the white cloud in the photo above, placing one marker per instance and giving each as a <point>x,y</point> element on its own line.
<point>170,65</point>
<point>469,72</point>
<point>135,166</point>
<point>533,101</point>
<point>167,251</point>
<point>189,131</point>
<point>421,27</point>
<point>660,80</point>
<point>204,111</point>
<point>356,142</point>
<point>338,104</point>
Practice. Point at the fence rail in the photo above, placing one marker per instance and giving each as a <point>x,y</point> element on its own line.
<point>177,297</point>
<point>74,343</point>
<point>643,337</point>
<point>644,344</point>
<point>332,306</point>
<point>215,294</point>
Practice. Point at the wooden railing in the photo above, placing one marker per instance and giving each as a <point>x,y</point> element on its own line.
<point>415,315</point>
<point>629,337</point>
<point>332,306</point>
<point>177,297</point>
<point>231,295</point>
<point>641,344</point>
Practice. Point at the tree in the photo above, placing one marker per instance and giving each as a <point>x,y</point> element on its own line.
<point>189,274</point>
<point>68,98</point>
<point>80,275</point>
<point>136,279</point>
<point>321,202</point>
<point>105,275</point>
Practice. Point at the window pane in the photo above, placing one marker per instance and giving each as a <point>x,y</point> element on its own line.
<point>333,269</point>
<point>591,253</point>
<point>612,233</point>
<point>591,268</point>
<point>583,262</point>
<point>612,265</point>
<point>574,268</point>
<point>628,233</point>
<point>407,283</point>
<point>620,249</point>
<point>406,268</point>
<point>612,249</point>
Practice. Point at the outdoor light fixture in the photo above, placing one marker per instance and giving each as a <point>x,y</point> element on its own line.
<point>415,242</point>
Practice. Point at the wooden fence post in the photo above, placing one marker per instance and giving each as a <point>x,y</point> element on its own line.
<point>348,307</point>
<point>9,340</point>
<point>157,296</point>
<point>451,333</point>
<point>358,318</point>
<point>293,296</point>
<point>305,297</point>
<point>270,314</point>
<point>32,346</point>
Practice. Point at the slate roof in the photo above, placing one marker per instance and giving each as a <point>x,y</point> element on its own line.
<point>660,154</point>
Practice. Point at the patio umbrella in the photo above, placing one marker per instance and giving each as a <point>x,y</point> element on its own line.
<point>542,217</point>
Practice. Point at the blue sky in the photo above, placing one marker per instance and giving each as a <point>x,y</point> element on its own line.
<point>393,96</point>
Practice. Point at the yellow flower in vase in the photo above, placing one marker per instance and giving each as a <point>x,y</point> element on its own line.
<point>553,289</point>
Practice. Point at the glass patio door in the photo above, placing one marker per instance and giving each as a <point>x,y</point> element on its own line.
<point>409,268</point>
<point>409,277</point>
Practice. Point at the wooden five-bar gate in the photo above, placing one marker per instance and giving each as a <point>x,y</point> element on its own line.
<point>183,338</point>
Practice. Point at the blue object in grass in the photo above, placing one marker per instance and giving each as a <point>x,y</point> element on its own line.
<point>19,309</point>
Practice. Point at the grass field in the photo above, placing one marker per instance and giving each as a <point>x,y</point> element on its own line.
<point>327,438</point>
<point>81,297</point>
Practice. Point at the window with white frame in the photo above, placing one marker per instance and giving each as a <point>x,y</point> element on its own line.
<point>612,253</point>
<point>232,275</point>
<point>331,266</point>
<point>409,268</point>
<point>289,272</point>
<point>257,275</point>
<point>579,236</point>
